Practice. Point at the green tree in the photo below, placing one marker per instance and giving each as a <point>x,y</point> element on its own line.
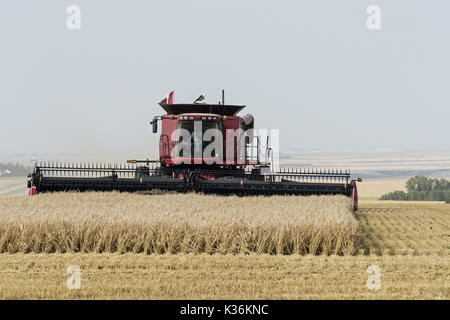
<point>396,195</point>
<point>422,189</point>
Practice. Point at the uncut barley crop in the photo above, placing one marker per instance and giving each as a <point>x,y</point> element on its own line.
<point>177,223</point>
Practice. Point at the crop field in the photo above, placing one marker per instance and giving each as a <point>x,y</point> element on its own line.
<point>375,188</point>
<point>169,247</point>
<point>176,223</point>
<point>13,186</point>
<point>254,276</point>
<point>405,228</point>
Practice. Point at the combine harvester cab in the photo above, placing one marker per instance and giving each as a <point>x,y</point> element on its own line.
<point>187,162</point>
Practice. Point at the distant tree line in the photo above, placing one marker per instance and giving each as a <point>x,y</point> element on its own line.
<point>13,170</point>
<point>421,188</point>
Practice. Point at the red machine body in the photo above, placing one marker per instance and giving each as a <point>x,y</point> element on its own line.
<point>228,124</point>
<point>168,138</point>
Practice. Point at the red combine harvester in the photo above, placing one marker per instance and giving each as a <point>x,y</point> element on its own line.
<point>202,147</point>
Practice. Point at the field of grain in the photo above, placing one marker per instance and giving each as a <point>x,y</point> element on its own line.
<point>405,228</point>
<point>255,276</point>
<point>408,241</point>
<point>375,188</point>
<point>177,223</point>
<point>13,186</point>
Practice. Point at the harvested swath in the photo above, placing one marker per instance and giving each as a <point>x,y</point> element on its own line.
<point>177,223</point>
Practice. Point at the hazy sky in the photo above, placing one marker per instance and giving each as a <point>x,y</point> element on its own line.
<point>311,68</point>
